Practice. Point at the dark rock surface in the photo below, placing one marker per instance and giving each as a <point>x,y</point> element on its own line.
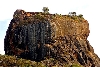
<point>37,36</point>
<point>31,38</point>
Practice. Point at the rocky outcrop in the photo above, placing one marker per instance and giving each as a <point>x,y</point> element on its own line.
<point>37,36</point>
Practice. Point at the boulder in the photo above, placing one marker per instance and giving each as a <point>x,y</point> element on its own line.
<point>38,35</point>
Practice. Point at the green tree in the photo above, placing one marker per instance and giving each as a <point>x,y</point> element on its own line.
<point>45,9</point>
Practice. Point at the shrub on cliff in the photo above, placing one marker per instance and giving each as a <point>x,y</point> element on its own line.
<point>75,65</point>
<point>45,9</point>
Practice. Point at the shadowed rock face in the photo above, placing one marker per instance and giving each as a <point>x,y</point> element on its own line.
<point>36,36</point>
<point>30,40</point>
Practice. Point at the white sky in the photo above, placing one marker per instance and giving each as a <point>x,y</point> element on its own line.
<point>89,8</point>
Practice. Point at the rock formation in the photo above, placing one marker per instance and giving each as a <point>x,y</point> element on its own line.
<point>37,36</point>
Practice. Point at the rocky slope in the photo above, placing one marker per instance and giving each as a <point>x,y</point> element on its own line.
<point>49,40</point>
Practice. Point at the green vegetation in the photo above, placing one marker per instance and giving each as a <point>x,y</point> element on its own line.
<point>11,61</point>
<point>75,65</point>
<point>45,9</point>
<point>80,15</point>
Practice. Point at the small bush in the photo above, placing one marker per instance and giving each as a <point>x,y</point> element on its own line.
<point>75,65</point>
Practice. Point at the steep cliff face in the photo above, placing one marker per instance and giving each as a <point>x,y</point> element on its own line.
<point>37,36</point>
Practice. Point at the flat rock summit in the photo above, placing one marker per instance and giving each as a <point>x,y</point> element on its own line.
<point>41,39</point>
